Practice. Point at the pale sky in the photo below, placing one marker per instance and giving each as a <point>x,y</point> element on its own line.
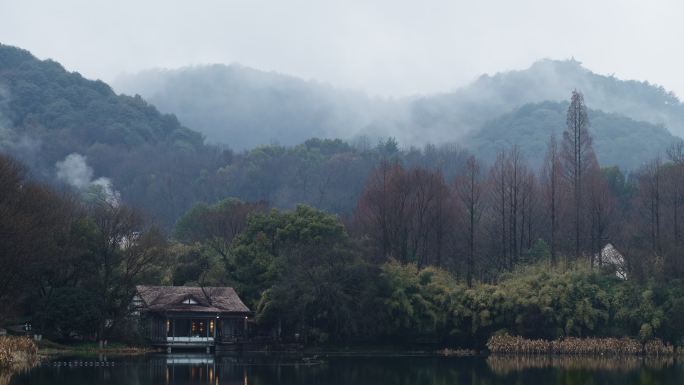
<point>384,47</point>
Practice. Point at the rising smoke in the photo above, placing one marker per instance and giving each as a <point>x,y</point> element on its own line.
<point>75,171</point>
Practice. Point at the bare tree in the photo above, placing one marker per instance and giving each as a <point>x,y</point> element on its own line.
<point>650,187</point>
<point>217,225</point>
<point>126,249</point>
<point>515,173</point>
<point>512,189</point>
<point>528,209</point>
<point>404,213</point>
<point>551,174</point>
<point>469,191</point>
<point>674,181</point>
<point>601,209</point>
<point>498,197</point>
<point>577,155</point>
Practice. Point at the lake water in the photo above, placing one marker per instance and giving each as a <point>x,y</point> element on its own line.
<point>278,370</point>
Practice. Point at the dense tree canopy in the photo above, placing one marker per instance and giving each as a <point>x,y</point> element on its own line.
<point>55,248</point>
<point>330,241</point>
<point>156,164</point>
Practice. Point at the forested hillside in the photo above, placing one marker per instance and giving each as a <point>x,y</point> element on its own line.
<point>121,142</point>
<point>554,79</point>
<point>243,108</point>
<point>72,131</point>
<point>618,140</point>
<point>446,243</point>
<point>424,257</point>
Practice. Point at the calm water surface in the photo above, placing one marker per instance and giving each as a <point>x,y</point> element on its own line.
<point>270,370</point>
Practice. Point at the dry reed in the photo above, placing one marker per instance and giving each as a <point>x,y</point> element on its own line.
<point>446,352</point>
<point>507,344</point>
<point>17,351</point>
<point>509,364</point>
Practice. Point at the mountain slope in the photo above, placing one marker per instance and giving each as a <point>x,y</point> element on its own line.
<point>617,140</point>
<point>554,80</point>
<point>243,107</point>
<point>47,113</point>
<point>68,129</point>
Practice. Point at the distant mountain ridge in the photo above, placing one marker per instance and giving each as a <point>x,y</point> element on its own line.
<point>56,112</point>
<point>243,107</point>
<point>42,98</point>
<point>617,140</point>
<point>68,129</point>
<point>554,79</point>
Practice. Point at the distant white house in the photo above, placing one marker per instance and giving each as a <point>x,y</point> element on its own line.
<point>611,257</point>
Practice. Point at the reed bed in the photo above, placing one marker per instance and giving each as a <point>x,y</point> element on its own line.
<point>5,377</point>
<point>507,344</point>
<point>447,352</point>
<point>503,365</point>
<point>17,352</point>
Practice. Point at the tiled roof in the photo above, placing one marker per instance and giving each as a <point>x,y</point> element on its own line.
<point>208,299</point>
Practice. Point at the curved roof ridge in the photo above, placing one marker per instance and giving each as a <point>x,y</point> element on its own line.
<point>218,299</point>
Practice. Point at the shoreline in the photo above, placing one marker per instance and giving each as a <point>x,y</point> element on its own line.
<point>502,345</point>
<point>75,350</point>
<point>507,345</point>
<point>17,354</point>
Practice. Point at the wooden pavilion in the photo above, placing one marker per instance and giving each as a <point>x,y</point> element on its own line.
<point>191,317</point>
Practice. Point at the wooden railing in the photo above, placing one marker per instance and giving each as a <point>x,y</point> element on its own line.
<point>190,340</point>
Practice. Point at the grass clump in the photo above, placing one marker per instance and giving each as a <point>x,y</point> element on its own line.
<point>17,352</point>
<point>507,344</point>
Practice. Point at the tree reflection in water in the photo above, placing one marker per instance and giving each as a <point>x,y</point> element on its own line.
<point>194,369</point>
<point>503,365</point>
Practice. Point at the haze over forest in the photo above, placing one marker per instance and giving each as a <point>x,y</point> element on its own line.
<point>235,131</point>
<point>380,171</point>
<point>243,108</point>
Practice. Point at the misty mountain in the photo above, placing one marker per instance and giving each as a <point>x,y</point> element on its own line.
<point>68,129</point>
<point>243,107</point>
<point>554,80</point>
<point>79,132</point>
<point>617,140</point>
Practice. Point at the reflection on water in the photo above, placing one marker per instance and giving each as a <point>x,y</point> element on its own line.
<point>183,369</point>
<point>6,374</point>
<point>5,377</point>
<point>187,369</point>
<point>507,364</point>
